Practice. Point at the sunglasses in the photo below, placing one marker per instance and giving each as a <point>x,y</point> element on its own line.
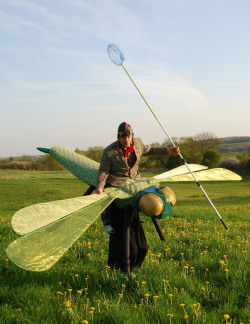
<point>125,132</point>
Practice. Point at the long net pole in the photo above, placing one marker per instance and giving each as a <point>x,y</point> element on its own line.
<point>170,139</point>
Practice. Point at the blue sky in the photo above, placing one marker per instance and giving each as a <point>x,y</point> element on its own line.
<point>189,58</point>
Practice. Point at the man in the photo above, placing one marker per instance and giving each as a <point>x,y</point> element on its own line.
<point>120,162</point>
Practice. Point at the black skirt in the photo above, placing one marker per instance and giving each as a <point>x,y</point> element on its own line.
<point>123,220</point>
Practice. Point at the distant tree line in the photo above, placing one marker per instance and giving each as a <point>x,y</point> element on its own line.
<point>235,139</point>
<point>201,149</point>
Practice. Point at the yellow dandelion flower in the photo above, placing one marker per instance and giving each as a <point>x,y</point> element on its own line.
<point>202,288</point>
<point>170,295</point>
<point>76,275</point>
<point>194,305</point>
<point>85,322</point>
<point>156,297</point>
<point>146,295</point>
<point>92,308</point>
<point>69,289</point>
<point>143,282</point>
<point>135,306</point>
<point>120,295</point>
<point>186,316</point>
<point>79,292</point>
<point>123,285</point>
<point>207,282</point>
<point>59,283</point>
<point>226,316</point>
<point>170,315</point>
<point>67,303</point>
<point>226,270</point>
<point>182,305</point>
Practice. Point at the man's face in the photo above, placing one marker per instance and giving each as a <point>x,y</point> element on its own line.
<point>126,141</point>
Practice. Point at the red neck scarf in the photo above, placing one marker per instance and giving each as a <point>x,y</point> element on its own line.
<point>130,149</point>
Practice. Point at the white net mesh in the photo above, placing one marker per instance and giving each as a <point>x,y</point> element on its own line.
<point>115,54</point>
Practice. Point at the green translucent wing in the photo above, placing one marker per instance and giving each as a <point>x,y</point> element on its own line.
<point>82,167</point>
<point>178,171</point>
<point>218,174</point>
<point>41,249</point>
<point>31,218</point>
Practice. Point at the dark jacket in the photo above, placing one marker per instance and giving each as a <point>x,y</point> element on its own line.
<point>114,169</point>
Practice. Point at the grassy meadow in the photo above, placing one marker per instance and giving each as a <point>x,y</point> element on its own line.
<point>199,275</point>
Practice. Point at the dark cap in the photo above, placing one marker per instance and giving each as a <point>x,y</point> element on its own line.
<point>124,129</point>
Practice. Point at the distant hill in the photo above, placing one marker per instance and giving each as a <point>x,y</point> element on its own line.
<point>234,144</point>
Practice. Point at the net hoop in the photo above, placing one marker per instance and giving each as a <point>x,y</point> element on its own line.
<point>115,54</point>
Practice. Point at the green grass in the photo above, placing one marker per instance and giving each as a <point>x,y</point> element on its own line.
<point>200,272</point>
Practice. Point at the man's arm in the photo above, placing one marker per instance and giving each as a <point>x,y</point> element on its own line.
<point>154,150</point>
<point>103,172</point>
